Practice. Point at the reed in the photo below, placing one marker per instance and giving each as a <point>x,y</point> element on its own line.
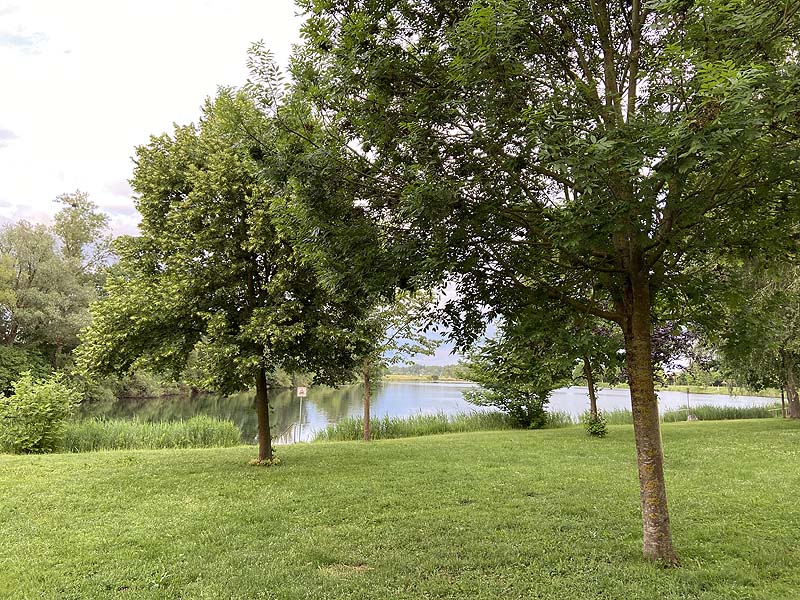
<point>722,413</point>
<point>100,434</point>
<point>352,428</point>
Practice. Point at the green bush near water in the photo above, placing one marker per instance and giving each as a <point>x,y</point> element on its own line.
<point>197,432</point>
<point>32,418</point>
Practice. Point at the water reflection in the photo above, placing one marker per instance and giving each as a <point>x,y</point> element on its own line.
<point>293,419</point>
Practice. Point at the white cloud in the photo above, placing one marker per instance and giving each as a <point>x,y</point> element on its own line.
<point>85,82</point>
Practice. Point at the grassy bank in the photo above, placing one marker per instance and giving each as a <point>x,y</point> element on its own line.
<point>512,514</point>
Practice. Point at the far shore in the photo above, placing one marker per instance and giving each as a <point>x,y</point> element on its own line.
<point>692,389</point>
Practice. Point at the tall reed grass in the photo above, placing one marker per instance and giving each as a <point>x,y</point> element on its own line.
<point>352,428</point>
<point>706,412</point>
<point>100,434</point>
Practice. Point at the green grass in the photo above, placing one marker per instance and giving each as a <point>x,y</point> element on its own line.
<point>383,428</point>
<point>197,432</point>
<point>548,514</point>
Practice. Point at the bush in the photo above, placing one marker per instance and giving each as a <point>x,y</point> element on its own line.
<point>198,432</point>
<point>595,425</point>
<point>526,409</point>
<point>32,418</point>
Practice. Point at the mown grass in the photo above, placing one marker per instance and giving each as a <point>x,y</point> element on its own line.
<point>383,428</point>
<point>546,514</point>
<point>101,434</point>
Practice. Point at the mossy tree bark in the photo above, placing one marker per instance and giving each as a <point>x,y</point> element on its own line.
<point>657,544</point>
<point>791,387</point>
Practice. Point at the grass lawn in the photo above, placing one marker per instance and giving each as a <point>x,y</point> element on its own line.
<point>511,514</point>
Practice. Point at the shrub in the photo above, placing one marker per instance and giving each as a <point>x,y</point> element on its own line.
<point>595,425</point>
<point>32,418</point>
<point>526,408</point>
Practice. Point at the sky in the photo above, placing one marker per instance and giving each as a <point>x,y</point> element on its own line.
<point>84,82</point>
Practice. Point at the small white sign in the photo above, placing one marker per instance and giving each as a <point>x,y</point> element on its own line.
<point>302,392</point>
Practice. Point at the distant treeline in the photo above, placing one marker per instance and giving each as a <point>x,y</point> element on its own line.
<point>428,371</point>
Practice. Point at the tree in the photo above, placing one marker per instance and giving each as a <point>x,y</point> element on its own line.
<point>83,232</point>
<point>534,354</point>
<point>391,334</point>
<point>48,277</point>
<point>215,271</point>
<point>760,339</point>
<point>586,153</point>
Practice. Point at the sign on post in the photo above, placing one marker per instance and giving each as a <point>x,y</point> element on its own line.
<point>302,392</point>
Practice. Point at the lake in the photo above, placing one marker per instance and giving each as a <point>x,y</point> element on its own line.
<point>293,420</point>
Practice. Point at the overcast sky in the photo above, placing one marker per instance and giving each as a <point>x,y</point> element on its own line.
<point>85,81</point>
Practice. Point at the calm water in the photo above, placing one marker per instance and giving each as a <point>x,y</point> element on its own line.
<point>295,421</point>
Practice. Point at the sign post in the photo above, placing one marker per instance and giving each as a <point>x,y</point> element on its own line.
<point>302,392</point>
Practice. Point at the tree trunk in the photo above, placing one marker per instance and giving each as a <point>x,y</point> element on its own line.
<point>587,372</point>
<point>791,391</point>
<point>783,404</point>
<point>644,404</point>
<point>262,410</point>
<point>367,435</point>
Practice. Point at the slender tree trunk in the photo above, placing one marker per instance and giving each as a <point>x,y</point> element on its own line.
<point>783,404</point>
<point>262,410</point>
<point>791,391</point>
<point>587,372</point>
<point>644,404</point>
<point>367,435</point>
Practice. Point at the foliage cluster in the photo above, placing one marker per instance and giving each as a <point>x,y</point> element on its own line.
<point>32,419</point>
<point>14,361</point>
<point>595,424</point>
